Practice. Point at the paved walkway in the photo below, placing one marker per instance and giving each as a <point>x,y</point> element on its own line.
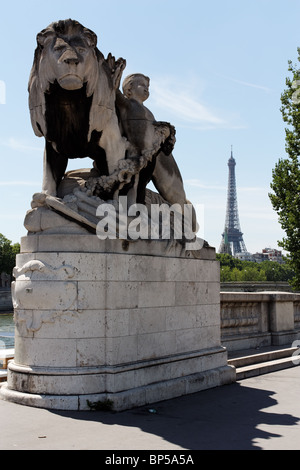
<point>257,413</point>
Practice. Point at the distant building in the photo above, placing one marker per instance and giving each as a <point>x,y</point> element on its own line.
<point>245,256</point>
<point>273,255</point>
<point>267,254</point>
<point>260,257</point>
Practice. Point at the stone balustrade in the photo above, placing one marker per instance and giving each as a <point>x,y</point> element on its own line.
<point>257,319</point>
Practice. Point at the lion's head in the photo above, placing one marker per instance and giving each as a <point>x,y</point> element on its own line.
<point>66,53</point>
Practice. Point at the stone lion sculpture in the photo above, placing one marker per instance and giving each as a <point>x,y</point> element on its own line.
<point>74,102</point>
<point>72,91</point>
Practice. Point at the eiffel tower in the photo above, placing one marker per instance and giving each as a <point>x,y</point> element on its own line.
<point>232,237</point>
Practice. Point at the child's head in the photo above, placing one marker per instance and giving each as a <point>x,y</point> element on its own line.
<point>135,82</point>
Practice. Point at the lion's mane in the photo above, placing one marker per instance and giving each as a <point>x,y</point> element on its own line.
<point>42,76</point>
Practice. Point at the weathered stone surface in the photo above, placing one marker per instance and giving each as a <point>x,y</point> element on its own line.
<point>100,328</point>
<point>74,243</point>
<point>257,319</point>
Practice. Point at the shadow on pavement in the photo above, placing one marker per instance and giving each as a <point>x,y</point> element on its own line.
<point>226,417</point>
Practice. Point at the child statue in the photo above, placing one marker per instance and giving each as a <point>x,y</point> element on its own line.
<point>145,134</point>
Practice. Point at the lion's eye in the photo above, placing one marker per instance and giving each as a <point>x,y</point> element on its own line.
<point>81,50</point>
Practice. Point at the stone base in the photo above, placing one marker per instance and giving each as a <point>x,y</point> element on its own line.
<point>122,400</point>
<point>280,338</point>
<point>113,327</point>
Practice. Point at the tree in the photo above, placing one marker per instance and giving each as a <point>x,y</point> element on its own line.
<point>228,260</point>
<point>252,273</point>
<point>225,274</point>
<point>233,269</point>
<point>285,184</point>
<point>7,254</point>
<point>276,272</point>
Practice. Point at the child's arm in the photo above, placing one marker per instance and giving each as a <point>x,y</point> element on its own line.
<point>121,100</point>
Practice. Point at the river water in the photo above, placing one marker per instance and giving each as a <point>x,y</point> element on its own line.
<point>7,331</point>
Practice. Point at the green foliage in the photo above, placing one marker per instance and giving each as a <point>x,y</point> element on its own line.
<point>285,197</point>
<point>7,254</point>
<point>228,260</point>
<point>233,269</point>
<point>277,272</point>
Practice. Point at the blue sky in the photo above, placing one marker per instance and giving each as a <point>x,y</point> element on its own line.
<point>217,71</point>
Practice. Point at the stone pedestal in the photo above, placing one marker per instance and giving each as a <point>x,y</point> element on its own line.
<point>124,323</point>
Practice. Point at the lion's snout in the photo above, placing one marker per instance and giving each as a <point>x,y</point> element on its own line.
<point>72,79</point>
<point>69,57</point>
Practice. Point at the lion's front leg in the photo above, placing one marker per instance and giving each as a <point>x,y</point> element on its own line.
<point>53,171</point>
<point>49,184</point>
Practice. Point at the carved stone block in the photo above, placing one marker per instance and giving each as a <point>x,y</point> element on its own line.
<point>92,326</point>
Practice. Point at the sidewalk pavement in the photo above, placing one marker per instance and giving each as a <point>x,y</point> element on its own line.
<point>257,413</point>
